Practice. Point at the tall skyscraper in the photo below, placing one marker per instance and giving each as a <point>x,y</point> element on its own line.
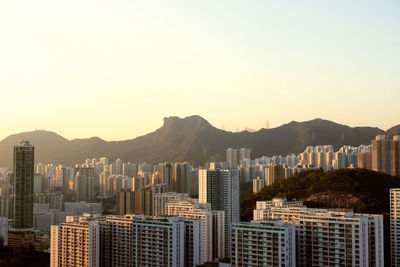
<point>23,187</point>
<point>220,188</point>
<point>395,226</point>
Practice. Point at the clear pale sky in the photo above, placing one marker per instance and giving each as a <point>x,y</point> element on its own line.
<point>114,69</point>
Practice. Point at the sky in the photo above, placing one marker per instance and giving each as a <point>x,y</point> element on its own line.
<point>115,69</point>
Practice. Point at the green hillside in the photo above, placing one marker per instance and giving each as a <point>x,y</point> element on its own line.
<point>359,189</point>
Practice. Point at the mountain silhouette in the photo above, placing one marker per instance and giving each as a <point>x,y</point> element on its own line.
<point>191,139</point>
<point>395,130</point>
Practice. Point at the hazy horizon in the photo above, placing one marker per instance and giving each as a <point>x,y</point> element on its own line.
<point>115,69</point>
<point>161,124</point>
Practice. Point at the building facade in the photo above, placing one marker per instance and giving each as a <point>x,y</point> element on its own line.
<point>330,237</point>
<point>76,242</point>
<point>23,187</point>
<point>263,243</point>
<point>395,226</point>
<point>220,188</point>
<point>213,222</point>
<point>385,155</point>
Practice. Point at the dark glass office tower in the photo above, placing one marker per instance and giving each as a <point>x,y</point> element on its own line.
<point>23,186</point>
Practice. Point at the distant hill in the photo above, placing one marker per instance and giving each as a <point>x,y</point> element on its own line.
<point>190,139</point>
<point>393,131</point>
<point>361,190</point>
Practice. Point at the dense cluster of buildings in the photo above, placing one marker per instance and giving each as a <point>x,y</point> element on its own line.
<point>173,214</point>
<point>383,155</point>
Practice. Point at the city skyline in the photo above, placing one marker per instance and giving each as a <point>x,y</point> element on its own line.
<point>116,69</point>
<point>199,133</point>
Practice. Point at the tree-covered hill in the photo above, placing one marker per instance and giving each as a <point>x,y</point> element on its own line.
<point>359,189</point>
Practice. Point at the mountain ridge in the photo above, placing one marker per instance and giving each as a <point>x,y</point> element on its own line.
<point>191,139</point>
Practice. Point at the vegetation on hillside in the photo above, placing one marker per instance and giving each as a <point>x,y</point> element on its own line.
<point>361,190</point>
<point>21,256</point>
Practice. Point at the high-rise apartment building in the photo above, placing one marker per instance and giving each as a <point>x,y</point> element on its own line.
<point>330,237</point>
<point>396,155</point>
<point>340,160</point>
<point>321,160</point>
<point>220,188</point>
<point>381,148</point>
<point>161,200</point>
<point>312,158</point>
<point>137,240</point>
<point>274,173</point>
<point>76,242</point>
<point>129,169</point>
<point>385,154</point>
<point>263,243</point>
<point>62,177</point>
<point>167,176</point>
<point>244,153</point>
<point>232,158</point>
<point>103,179</point>
<point>118,167</point>
<point>84,183</point>
<point>83,187</point>
<point>258,185</point>
<point>126,201</point>
<point>182,177</point>
<point>23,187</point>
<point>263,211</point>
<point>59,173</point>
<point>213,222</point>
<point>138,202</point>
<point>364,159</point>
<point>395,226</point>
